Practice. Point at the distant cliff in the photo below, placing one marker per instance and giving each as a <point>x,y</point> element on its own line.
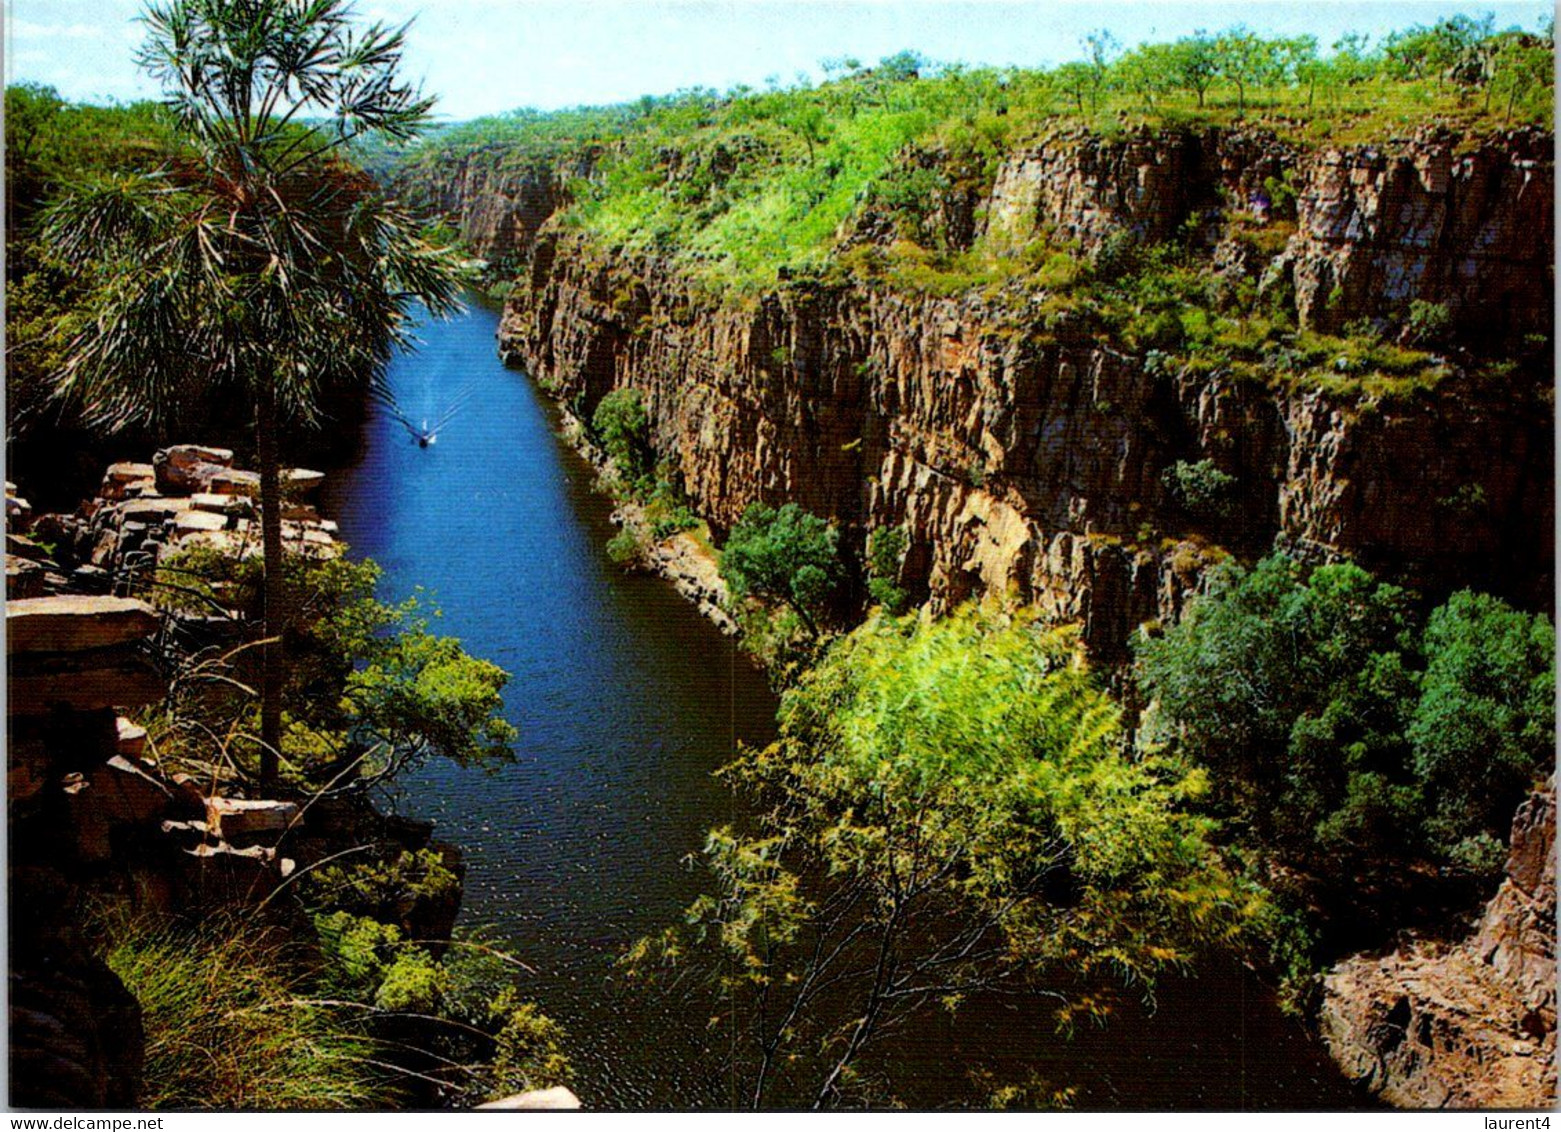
<point>1029,448</point>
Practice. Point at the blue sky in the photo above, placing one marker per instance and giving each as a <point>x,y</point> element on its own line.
<point>486,56</point>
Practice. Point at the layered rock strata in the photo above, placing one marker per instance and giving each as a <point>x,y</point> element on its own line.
<point>1025,452</point>
<point>189,496</point>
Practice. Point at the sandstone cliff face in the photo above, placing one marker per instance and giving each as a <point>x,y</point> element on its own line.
<point>1472,231</point>
<point>1028,455</point>
<point>1467,1026</point>
<point>499,207</point>
<point>1379,226</point>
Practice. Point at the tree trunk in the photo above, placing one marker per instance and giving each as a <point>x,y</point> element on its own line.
<point>274,664</point>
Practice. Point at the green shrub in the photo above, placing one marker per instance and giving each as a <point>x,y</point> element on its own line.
<point>1428,323</point>
<point>1338,728</point>
<point>785,555</point>
<point>1201,488</point>
<point>1485,724</point>
<point>886,547</point>
<point>625,548</point>
<point>620,421</point>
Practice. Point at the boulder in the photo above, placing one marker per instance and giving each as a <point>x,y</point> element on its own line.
<point>107,799</point>
<point>230,482</point>
<point>215,875</point>
<point>187,522</point>
<point>241,821</point>
<point>301,481</point>
<point>24,547</point>
<point>18,513</point>
<point>231,544</point>
<point>187,468</point>
<point>24,578</point>
<point>91,579</point>
<point>75,622</point>
<point>132,738</point>
<point>120,479</point>
<point>84,681</point>
<point>221,504</point>
<point>152,510</point>
<point>556,1098</point>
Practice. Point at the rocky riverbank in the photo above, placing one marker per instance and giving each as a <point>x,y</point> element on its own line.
<point>94,812</point>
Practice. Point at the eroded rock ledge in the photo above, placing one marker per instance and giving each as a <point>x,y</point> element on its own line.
<point>1473,1024</point>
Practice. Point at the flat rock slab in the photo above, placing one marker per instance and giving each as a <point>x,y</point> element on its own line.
<point>153,510</point>
<point>195,453</point>
<point>556,1098</point>
<point>236,483</point>
<point>120,478</point>
<point>301,481</point>
<point>237,819</point>
<point>39,683</point>
<point>131,740</point>
<point>75,622</point>
<point>221,504</point>
<point>187,521</point>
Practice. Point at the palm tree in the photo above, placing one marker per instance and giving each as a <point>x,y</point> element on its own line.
<point>259,263</point>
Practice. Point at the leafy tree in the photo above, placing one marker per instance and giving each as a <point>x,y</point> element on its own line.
<point>1149,72</point>
<point>621,422</point>
<point>371,690</point>
<point>1485,723</point>
<point>1194,62</point>
<point>1338,729</point>
<point>259,264</point>
<point>786,555</point>
<point>949,809</point>
<point>1294,690</point>
<point>1246,59</point>
<point>1101,49</point>
<point>886,548</point>
<point>1077,81</point>
<point>1521,66</point>
<point>1201,488</point>
<point>810,122</point>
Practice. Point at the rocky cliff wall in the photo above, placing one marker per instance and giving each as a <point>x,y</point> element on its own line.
<point>1438,218</point>
<point>1030,453</point>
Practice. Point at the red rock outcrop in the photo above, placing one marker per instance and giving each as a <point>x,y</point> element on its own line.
<point>1472,1025</point>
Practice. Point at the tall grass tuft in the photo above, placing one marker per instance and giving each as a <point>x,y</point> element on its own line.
<point>229,1026</point>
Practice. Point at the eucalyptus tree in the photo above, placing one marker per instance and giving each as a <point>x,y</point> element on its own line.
<point>949,812</point>
<point>259,264</point>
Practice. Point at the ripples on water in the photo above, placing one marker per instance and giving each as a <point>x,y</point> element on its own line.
<point>626,700</point>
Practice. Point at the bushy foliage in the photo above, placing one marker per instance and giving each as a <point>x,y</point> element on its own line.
<point>457,1011</point>
<point>1485,722</point>
<point>372,688</point>
<point>1201,488</point>
<point>958,795</point>
<point>786,555</point>
<point>624,428</point>
<point>1338,726</point>
<point>886,548</point>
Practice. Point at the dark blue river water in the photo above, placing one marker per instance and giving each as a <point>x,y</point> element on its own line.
<point>626,700</point>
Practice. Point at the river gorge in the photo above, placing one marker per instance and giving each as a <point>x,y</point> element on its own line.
<point>626,700</point>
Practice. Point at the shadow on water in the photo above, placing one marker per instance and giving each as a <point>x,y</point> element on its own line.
<point>625,700</point>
